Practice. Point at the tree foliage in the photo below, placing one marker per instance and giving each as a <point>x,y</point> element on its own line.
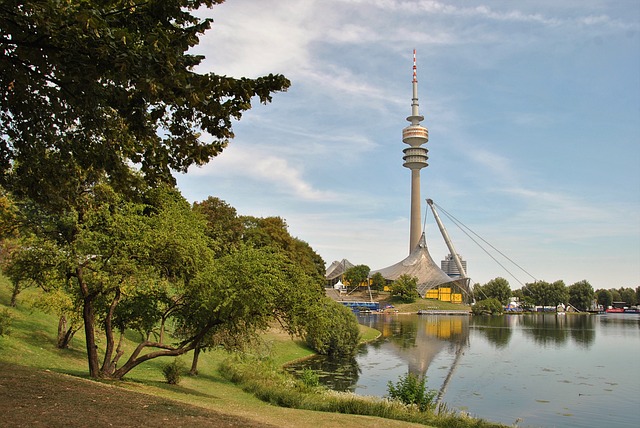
<point>378,281</point>
<point>490,306</point>
<point>273,232</point>
<point>88,89</point>
<point>331,329</point>
<point>94,86</point>
<point>224,227</point>
<point>497,288</point>
<point>581,295</point>
<point>547,294</point>
<point>405,288</point>
<point>604,298</point>
<point>628,295</point>
<point>356,275</point>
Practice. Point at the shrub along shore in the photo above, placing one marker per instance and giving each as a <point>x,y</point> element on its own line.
<point>251,390</point>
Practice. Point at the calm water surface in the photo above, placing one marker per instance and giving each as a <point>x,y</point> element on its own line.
<point>543,370</point>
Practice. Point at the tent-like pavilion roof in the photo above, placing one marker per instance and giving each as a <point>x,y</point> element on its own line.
<point>418,264</point>
<point>337,268</point>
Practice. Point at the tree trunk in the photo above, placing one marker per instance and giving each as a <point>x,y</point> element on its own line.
<point>66,339</point>
<point>108,365</point>
<point>62,329</point>
<point>14,294</point>
<point>194,362</point>
<point>88,316</point>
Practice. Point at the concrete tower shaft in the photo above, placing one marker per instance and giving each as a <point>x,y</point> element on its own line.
<point>415,158</point>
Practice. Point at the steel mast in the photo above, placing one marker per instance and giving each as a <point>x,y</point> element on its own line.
<point>447,240</point>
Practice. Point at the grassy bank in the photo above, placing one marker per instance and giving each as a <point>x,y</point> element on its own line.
<point>36,389</point>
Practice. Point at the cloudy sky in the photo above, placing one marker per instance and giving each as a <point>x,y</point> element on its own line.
<point>533,111</point>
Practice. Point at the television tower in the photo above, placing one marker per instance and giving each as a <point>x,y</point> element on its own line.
<point>415,158</point>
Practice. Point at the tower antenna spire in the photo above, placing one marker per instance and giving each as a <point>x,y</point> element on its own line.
<point>415,68</point>
<point>415,117</point>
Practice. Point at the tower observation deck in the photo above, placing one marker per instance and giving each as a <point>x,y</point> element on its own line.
<point>415,158</point>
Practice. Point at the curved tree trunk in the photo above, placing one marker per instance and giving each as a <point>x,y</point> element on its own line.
<point>108,364</point>
<point>194,362</point>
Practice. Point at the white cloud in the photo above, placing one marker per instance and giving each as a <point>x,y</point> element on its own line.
<point>240,164</point>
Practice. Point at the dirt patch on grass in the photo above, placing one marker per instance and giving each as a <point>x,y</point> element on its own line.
<point>37,398</point>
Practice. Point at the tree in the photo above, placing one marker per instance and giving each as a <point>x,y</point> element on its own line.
<point>615,295</point>
<point>628,295</point>
<point>547,294</point>
<point>581,295</point>
<point>331,329</point>
<point>490,306</point>
<point>497,288</point>
<point>273,232</point>
<point>121,262</point>
<point>95,86</point>
<point>86,90</point>
<point>378,281</point>
<point>356,275</point>
<point>405,288</point>
<point>604,298</point>
<point>224,227</point>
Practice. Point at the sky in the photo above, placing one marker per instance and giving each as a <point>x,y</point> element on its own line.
<point>533,112</point>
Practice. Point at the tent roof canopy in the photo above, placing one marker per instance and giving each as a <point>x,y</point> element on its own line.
<point>418,264</point>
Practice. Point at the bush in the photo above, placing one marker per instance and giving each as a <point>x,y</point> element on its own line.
<point>412,390</point>
<point>332,329</point>
<point>5,322</point>
<point>310,378</point>
<point>488,307</point>
<point>173,371</point>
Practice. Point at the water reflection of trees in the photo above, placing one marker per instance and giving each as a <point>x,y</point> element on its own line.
<point>582,329</point>
<point>419,340</point>
<point>555,330</point>
<point>497,329</point>
<point>339,374</point>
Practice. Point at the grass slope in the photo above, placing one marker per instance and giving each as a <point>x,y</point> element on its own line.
<point>41,385</point>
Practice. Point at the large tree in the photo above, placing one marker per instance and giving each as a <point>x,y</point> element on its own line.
<point>547,294</point>
<point>497,288</point>
<point>94,86</point>
<point>405,288</point>
<point>224,227</point>
<point>357,275</point>
<point>274,232</point>
<point>581,295</point>
<point>87,89</point>
<point>604,298</point>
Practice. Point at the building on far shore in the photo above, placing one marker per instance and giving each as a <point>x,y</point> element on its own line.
<point>448,265</point>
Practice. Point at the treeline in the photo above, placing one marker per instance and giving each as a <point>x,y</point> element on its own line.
<point>497,293</point>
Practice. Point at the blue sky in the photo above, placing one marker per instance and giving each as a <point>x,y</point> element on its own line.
<point>533,111</point>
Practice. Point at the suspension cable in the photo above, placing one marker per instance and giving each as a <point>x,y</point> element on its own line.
<point>462,227</point>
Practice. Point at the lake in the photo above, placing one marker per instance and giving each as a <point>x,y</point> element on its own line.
<point>541,370</point>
